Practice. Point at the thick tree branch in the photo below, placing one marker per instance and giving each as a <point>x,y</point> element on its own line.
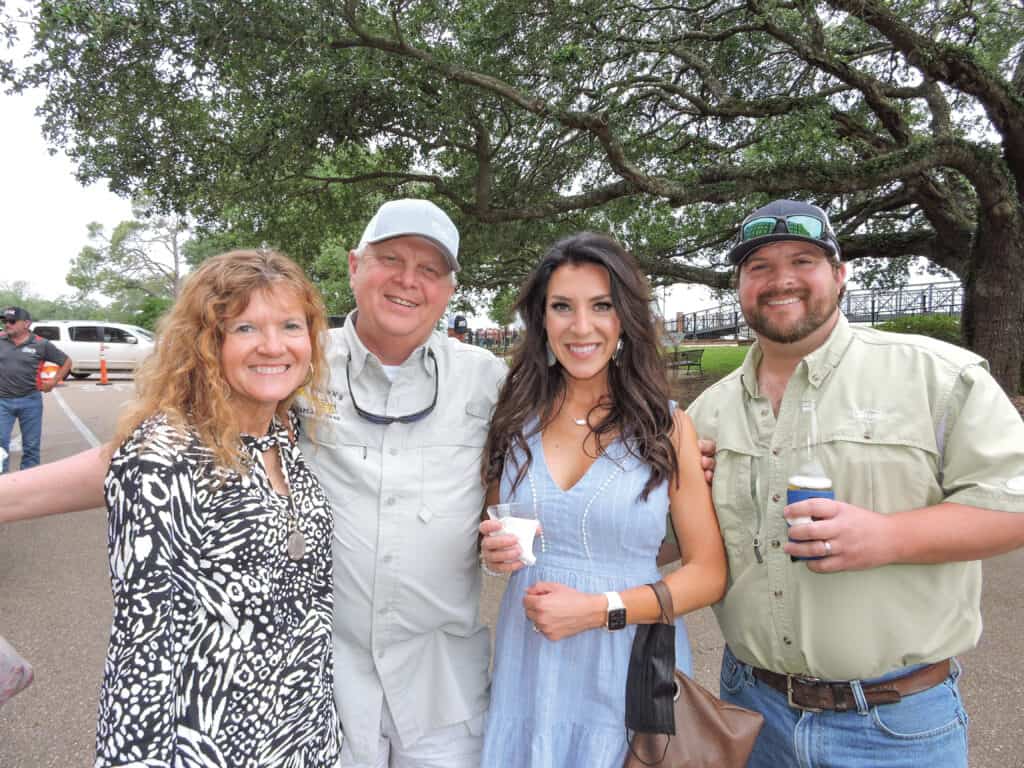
<point>955,66</point>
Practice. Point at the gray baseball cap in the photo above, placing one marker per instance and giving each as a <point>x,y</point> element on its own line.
<point>784,220</point>
<point>419,218</point>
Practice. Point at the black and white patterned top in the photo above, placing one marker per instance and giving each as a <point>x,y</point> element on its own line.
<point>220,650</point>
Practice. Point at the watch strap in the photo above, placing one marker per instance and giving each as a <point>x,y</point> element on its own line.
<point>615,618</point>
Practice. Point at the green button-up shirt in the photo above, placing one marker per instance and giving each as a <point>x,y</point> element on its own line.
<point>904,422</point>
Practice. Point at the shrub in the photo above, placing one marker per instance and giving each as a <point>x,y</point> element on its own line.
<point>941,327</point>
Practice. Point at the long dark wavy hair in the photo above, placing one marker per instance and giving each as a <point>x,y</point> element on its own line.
<point>639,396</point>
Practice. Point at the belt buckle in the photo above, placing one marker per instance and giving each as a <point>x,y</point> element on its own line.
<point>789,694</point>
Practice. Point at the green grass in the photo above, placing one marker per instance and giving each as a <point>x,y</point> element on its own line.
<point>718,361</point>
<point>941,327</point>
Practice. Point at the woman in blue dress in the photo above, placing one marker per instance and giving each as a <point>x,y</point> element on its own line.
<point>585,436</point>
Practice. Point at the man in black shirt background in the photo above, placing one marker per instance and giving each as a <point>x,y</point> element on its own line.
<point>22,356</point>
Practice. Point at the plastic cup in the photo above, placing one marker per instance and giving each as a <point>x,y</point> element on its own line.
<point>518,520</point>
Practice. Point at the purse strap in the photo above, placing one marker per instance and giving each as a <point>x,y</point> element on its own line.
<point>664,595</point>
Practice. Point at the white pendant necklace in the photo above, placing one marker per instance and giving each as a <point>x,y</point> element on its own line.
<point>580,422</point>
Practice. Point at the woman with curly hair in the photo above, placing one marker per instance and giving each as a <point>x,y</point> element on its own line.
<point>585,436</point>
<point>220,537</point>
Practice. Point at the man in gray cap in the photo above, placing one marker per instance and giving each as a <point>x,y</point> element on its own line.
<point>849,651</point>
<point>399,455</point>
<point>22,356</point>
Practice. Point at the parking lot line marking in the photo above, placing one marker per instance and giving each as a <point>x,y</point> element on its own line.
<point>90,438</point>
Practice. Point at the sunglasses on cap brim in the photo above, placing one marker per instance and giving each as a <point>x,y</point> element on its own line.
<point>801,224</point>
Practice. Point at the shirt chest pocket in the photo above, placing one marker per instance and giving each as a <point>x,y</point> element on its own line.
<point>341,457</point>
<point>450,484</point>
<point>884,464</point>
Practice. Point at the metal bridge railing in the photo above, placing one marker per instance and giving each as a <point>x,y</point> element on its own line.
<point>860,306</point>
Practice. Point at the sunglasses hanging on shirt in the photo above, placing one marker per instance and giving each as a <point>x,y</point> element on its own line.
<point>376,418</point>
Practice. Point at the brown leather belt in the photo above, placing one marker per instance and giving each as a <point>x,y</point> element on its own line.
<point>814,695</point>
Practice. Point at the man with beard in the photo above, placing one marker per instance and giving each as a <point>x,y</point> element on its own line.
<point>850,655</point>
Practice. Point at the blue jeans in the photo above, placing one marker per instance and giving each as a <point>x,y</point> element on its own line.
<point>28,410</point>
<point>926,729</point>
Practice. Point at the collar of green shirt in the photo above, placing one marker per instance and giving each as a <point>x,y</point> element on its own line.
<point>820,363</point>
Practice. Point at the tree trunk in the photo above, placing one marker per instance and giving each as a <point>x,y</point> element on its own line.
<point>993,313</point>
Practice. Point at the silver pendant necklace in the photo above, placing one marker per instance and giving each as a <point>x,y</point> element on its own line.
<point>296,545</point>
<point>580,422</point>
<point>296,541</point>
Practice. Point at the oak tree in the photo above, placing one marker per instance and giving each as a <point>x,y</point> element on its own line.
<point>662,121</point>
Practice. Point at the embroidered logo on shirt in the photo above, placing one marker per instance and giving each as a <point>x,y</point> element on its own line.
<point>867,417</point>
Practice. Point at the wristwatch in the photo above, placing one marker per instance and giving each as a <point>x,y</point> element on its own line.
<point>616,618</point>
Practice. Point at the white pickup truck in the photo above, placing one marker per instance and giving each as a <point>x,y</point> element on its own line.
<point>124,347</point>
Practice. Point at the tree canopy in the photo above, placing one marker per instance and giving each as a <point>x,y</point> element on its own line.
<point>661,122</point>
<point>143,256</point>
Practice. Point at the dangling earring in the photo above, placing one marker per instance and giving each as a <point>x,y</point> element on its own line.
<point>617,352</point>
<point>551,354</point>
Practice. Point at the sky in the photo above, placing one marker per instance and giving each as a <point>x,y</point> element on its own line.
<point>43,209</point>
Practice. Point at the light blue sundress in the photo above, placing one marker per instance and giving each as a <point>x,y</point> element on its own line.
<point>562,704</point>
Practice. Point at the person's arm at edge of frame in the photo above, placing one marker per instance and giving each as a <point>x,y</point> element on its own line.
<point>948,531</point>
<point>559,611</point>
<point>69,485</point>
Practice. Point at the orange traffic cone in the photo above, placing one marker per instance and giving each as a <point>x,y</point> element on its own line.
<point>103,374</point>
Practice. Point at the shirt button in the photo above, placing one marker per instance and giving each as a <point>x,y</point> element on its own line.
<point>776,544</point>
<point>775,451</point>
<point>777,593</point>
<point>787,641</point>
<point>390,501</point>
<point>393,451</point>
<point>764,411</point>
<point>775,497</point>
<point>387,558</point>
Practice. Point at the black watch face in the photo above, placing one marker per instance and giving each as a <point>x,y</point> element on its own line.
<point>616,618</point>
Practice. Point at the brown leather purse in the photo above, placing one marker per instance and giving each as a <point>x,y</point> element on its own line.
<point>705,732</point>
